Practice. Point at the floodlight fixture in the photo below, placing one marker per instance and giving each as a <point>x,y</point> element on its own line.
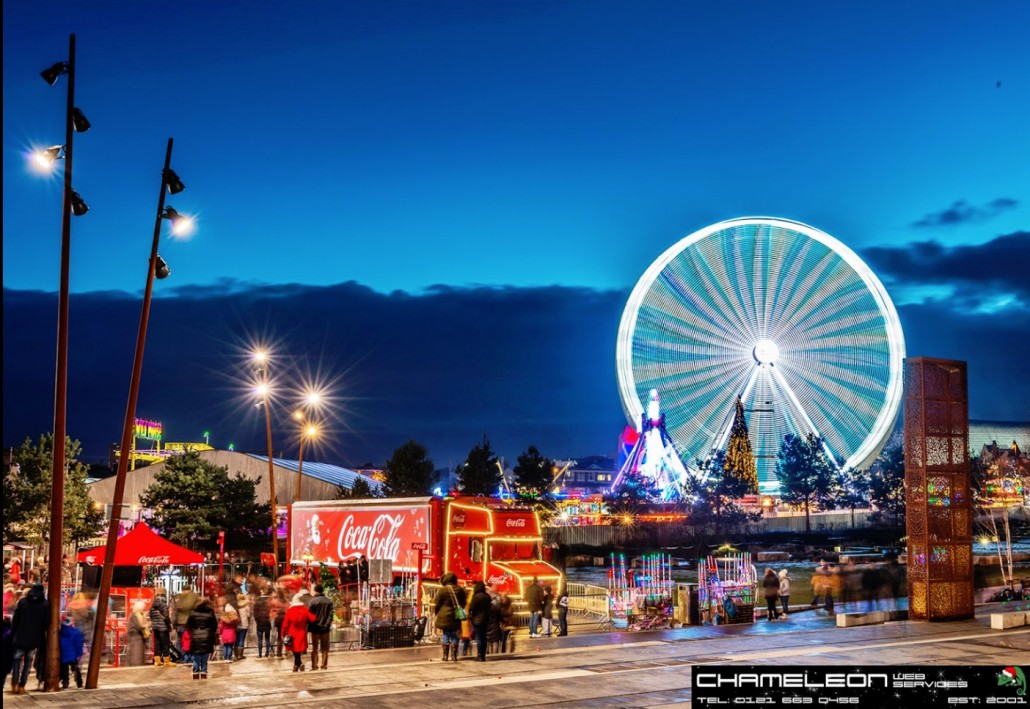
<point>79,121</point>
<point>79,206</point>
<point>161,268</point>
<point>45,158</point>
<point>50,74</point>
<point>173,182</point>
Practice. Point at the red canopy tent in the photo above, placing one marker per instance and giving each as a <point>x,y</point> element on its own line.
<point>143,547</point>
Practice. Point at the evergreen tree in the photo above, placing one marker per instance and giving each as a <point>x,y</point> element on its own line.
<point>740,460</point>
<point>714,496</point>
<point>480,473</point>
<point>27,487</point>
<point>887,484</point>
<point>533,474</point>
<point>409,472</point>
<point>853,490</point>
<point>806,477</point>
<point>192,499</point>
<point>360,490</point>
<point>635,488</point>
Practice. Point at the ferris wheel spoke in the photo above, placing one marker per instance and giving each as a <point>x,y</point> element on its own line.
<point>835,409</point>
<point>683,331</point>
<point>724,434</point>
<point>812,292</point>
<point>800,411</point>
<point>719,289</point>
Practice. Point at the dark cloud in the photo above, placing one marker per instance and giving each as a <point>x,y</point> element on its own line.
<point>524,365</point>
<point>978,274</point>
<point>961,212</point>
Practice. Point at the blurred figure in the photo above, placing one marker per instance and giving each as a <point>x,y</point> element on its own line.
<point>245,611</point>
<point>263,623</point>
<point>137,635</point>
<point>72,645</point>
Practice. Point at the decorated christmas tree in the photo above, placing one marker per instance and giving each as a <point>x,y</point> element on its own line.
<point>740,461</point>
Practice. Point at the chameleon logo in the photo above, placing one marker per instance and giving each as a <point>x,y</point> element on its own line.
<point>1013,677</point>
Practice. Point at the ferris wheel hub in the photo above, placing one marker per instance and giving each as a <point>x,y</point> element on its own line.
<point>766,352</point>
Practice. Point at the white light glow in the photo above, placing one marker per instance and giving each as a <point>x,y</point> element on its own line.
<point>766,352</point>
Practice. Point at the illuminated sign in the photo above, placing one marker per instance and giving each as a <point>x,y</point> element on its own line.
<point>148,430</point>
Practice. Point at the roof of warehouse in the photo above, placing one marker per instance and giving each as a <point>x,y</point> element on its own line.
<point>333,474</point>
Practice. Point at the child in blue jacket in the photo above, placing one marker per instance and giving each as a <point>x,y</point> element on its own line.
<point>71,641</point>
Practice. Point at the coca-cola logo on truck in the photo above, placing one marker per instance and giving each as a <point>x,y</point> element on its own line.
<point>519,522</point>
<point>378,540</point>
<point>458,520</point>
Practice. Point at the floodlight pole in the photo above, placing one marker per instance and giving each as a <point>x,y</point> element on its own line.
<point>107,573</point>
<point>55,567</point>
<point>271,483</point>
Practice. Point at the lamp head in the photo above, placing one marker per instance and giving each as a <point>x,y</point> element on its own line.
<point>181,225</point>
<point>50,75</point>
<point>161,269</point>
<point>79,121</point>
<point>173,182</point>
<point>79,206</point>
<point>45,158</point>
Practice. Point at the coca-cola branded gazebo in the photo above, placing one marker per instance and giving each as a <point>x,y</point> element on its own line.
<point>143,547</point>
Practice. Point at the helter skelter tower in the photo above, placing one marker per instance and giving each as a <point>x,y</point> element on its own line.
<point>653,455</point>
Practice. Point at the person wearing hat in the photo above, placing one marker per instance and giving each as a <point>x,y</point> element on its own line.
<point>295,627</point>
<point>72,645</point>
<point>785,591</point>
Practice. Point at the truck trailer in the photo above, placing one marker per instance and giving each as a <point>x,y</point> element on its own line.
<point>476,538</point>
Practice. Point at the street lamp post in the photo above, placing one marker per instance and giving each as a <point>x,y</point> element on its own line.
<point>72,203</point>
<point>158,268</point>
<point>260,360</point>
<point>307,430</point>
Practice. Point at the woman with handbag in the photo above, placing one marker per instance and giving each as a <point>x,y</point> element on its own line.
<point>295,630</point>
<point>449,609</point>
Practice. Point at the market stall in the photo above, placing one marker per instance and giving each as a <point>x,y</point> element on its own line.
<point>727,589</point>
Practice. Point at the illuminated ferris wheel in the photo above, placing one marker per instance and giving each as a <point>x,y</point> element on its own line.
<point>778,313</point>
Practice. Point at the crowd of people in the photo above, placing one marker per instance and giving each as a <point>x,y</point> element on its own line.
<point>487,616</point>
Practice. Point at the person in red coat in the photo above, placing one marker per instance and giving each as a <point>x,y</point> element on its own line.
<point>295,626</point>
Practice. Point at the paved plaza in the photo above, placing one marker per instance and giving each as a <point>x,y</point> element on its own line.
<point>619,669</point>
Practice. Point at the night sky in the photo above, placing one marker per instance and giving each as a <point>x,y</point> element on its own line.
<point>442,206</point>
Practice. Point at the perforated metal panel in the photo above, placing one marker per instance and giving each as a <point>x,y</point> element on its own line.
<point>937,484</point>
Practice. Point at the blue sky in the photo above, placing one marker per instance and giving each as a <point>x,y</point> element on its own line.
<point>400,145</point>
<point>515,143</point>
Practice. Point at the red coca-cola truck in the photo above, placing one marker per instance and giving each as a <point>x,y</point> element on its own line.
<point>479,539</point>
